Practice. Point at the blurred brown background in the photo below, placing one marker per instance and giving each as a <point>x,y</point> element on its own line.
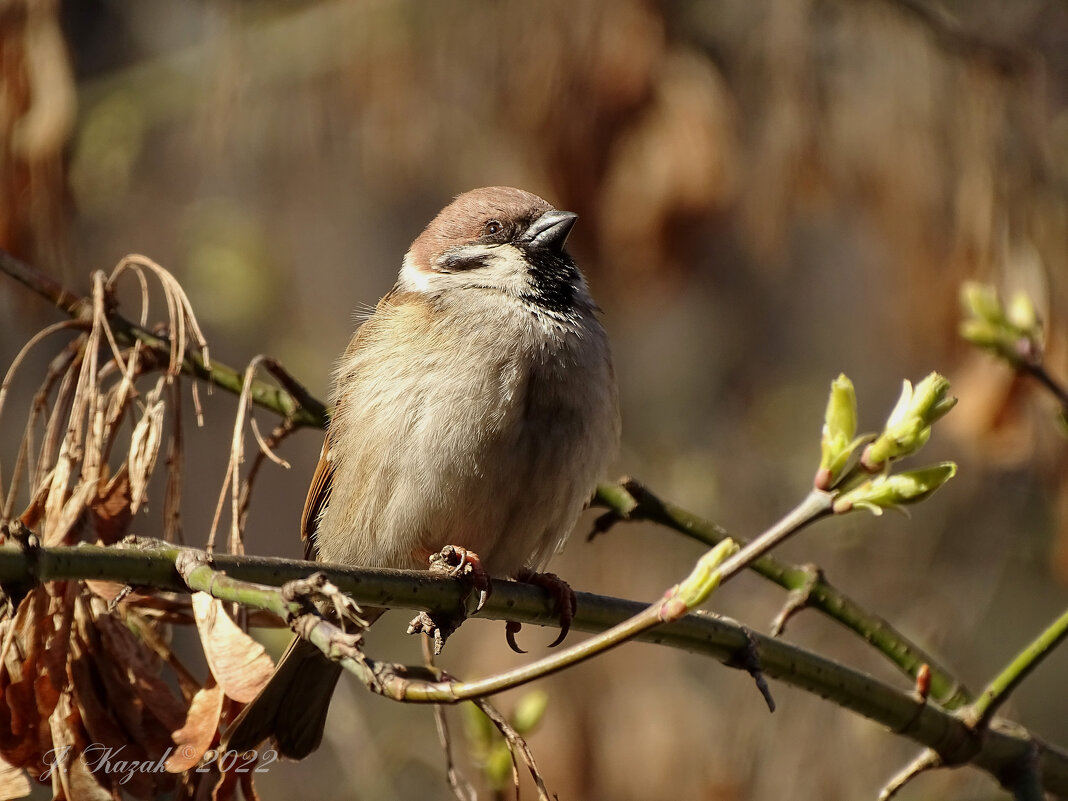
<point>769,193</point>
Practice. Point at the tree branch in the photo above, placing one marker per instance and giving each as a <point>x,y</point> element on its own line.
<point>1001,750</point>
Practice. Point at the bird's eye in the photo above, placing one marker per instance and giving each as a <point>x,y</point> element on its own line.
<point>492,228</point>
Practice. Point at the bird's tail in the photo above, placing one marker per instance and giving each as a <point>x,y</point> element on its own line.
<point>291,708</point>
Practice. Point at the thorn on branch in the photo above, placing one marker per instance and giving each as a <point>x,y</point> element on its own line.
<point>748,659</point>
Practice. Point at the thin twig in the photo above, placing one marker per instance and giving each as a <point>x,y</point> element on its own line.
<point>1038,371</point>
<point>517,746</point>
<point>927,760</point>
<point>461,787</point>
<point>629,500</point>
<point>304,412</point>
<point>998,691</point>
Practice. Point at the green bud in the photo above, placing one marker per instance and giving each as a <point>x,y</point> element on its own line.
<point>839,431</point>
<point>696,587</point>
<point>909,425</point>
<point>929,400</point>
<point>981,302</point>
<point>1023,317</point>
<point>530,710</point>
<point>1013,333</point>
<point>498,767</point>
<point>892,491</point>
<point>479,728</point>
<point>984,334</point>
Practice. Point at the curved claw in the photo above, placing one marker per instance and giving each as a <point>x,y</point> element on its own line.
<point>566,604</point>
<point>565,627</point>
<point>511,628</point>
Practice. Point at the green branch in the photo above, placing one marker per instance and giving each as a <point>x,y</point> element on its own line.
<point>631,501</point>
<point>1002,686</point>
<point>1001,750</point>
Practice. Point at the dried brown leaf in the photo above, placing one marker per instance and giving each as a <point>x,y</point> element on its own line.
<point>226,790</point>
<point>201,725</point>
<point>144,704</point>
<point>146,630</point>
<point>112,509</point>
<point>124,704</point>
<point>71,775</point>
<point>201,784</point>
<point>144,449</point>
<point>238,662</point>
<point>108,590</point>
<point>22,742</point>
<point>13,781</point>
<point>55,630</point>
<point>99,723</point>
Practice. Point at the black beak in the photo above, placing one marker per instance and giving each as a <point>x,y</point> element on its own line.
<point>550,230</point>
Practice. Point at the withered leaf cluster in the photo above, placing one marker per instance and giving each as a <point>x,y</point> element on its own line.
<point>94,702</point>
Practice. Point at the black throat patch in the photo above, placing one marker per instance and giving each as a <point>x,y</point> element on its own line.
<point>554,276</point>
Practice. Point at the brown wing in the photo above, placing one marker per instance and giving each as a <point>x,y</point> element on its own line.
<point>318,498</point>
<point>323,479</point>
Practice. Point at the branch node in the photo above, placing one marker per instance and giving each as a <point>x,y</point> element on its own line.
<point>186,562</point>
<point>317,587</point>
<point>28,542</point>
<point>798,599</point>
<point>620,500</point>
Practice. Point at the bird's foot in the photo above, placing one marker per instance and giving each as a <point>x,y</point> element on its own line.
<point>453,561</point>
<point>566,606</point>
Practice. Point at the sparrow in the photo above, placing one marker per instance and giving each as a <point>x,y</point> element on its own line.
<point>476,407</point>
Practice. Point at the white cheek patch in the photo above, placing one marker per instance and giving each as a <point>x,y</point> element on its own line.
<point>503,268</point>
<point>411,277</point>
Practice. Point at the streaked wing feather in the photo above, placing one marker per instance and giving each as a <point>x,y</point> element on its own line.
<point>317,500</point>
